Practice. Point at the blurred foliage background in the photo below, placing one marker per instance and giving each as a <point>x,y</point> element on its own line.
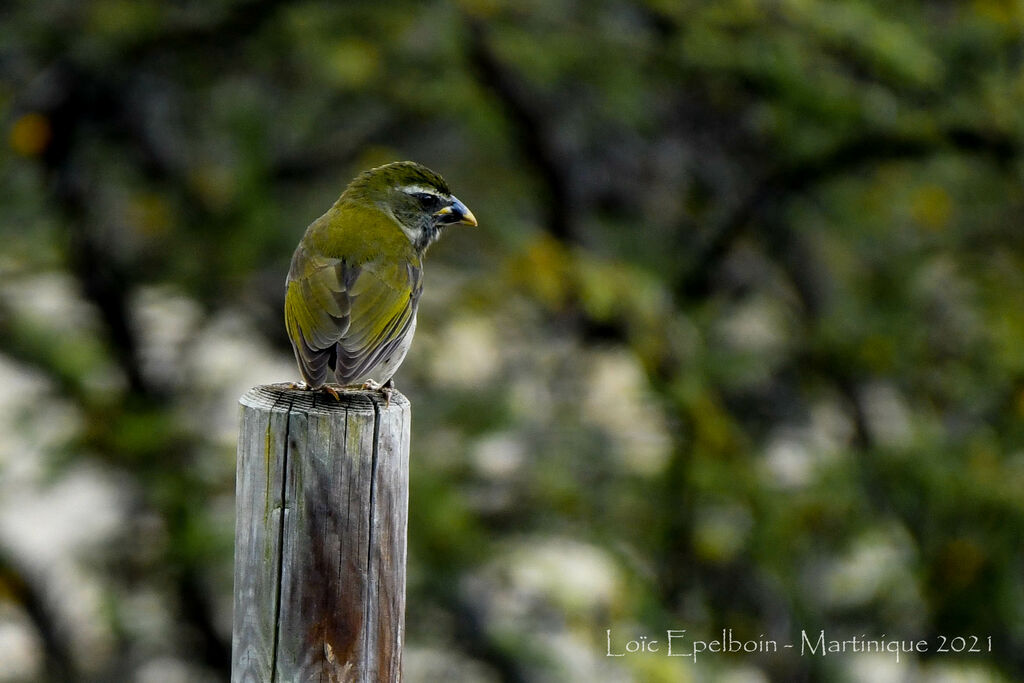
<point>738,343</point>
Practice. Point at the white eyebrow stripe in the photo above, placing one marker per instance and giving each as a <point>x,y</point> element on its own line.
<point>411,189</point>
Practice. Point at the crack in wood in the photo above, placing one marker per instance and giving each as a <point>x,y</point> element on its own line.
<point>280,542</point>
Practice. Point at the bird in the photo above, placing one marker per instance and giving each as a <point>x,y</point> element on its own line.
<point>355,280</point>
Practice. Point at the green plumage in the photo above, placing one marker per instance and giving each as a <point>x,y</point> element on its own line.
<point>355,279</point>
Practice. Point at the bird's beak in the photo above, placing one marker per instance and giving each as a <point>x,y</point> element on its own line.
<point>456,212</point>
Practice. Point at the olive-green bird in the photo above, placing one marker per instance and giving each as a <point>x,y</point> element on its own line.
<point>355,280</point>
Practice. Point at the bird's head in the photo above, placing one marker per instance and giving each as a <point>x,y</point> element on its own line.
<point>416,197</point>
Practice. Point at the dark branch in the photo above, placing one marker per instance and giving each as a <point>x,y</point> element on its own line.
<point>58,661</point>
<point>239,22</point>
<point>772,192</point>
<point>530,128</point>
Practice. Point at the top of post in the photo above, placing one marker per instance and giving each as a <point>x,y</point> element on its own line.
<point>284,397</point>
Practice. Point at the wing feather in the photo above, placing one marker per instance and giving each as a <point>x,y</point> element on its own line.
<point>356,315</point>
<point>384,305</point>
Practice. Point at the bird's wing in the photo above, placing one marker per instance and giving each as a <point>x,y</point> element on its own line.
<point>316,311</point>
<point>346,316</point>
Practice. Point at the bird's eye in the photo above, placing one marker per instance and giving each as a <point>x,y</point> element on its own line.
<point>427,201</point>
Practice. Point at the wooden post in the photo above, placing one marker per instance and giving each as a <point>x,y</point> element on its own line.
<point>320,539</point>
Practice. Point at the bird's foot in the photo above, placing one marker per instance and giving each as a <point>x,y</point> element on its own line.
<point>326,388</point>
<point>385,389</point>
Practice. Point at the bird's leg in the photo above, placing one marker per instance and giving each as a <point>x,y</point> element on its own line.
<point>387,389</point>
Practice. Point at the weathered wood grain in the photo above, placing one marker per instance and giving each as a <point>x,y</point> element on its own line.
<point>320,540</point>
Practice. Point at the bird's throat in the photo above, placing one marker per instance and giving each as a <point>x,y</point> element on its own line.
<point>426,236</point>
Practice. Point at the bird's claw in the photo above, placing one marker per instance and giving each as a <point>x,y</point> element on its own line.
<point>326,388</point>
<point>385,389</point>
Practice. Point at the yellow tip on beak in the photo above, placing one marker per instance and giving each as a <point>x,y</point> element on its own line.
<point>468,218</point>
<point>457,212</point>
